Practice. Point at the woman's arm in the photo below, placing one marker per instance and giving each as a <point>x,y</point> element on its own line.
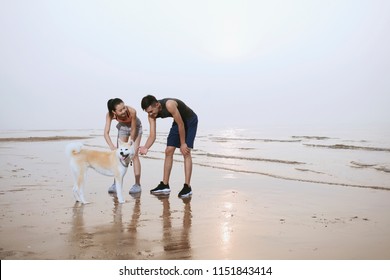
<point>107,132</point>
<point>133,132</point>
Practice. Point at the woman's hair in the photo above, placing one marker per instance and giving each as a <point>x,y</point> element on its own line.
<point>147,101</point>
<point>111,104</point>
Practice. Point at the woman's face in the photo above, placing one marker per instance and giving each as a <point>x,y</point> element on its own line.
<point>120,110</point>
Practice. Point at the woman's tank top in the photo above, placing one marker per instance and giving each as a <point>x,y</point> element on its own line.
<point>126,120</point>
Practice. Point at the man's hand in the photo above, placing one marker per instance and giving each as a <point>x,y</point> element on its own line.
<point>143,150</point>
<point>185,151</point>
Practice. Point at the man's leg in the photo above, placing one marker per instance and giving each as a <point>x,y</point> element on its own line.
<point>190,137</point>
<point>187,169</point>
<point>187,191</point>
<point>163,187</point>
<point>168,162</point>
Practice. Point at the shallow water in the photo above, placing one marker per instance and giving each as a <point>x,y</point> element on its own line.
<point>354,157</point>
<point>335,158</point>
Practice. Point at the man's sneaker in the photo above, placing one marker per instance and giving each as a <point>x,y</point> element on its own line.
<point>112,189</point>
<point>161,188</point>
<point>185,192</point>
<point>135,189</point>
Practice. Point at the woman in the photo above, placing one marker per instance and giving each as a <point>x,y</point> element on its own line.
<point>129,130</point>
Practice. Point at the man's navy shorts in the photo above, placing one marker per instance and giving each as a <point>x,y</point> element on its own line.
<point>191,126</point>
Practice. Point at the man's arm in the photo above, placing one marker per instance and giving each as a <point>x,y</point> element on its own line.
<point>172,108</point>
<point>152,137</point>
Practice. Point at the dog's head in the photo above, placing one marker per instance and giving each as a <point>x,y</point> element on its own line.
<point>125,151</point>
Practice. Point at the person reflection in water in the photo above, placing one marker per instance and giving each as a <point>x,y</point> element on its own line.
<point>176,240</point>
<point>124,240</point>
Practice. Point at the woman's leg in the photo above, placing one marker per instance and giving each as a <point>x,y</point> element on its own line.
<point>136,161</point>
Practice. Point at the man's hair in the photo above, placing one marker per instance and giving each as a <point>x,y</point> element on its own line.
<point>147,101</point>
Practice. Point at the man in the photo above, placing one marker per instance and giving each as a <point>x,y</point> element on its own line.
<point>181,135</point>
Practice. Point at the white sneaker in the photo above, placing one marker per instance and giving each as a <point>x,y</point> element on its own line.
<point>112,189</point>
<point>135,189</point>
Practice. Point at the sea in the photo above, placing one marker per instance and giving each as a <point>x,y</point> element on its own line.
<point>349,157</point>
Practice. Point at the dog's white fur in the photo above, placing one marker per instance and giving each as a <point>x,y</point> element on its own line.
<point>105,162</point>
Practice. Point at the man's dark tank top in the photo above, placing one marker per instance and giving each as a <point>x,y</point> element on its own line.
<point>185,112</point>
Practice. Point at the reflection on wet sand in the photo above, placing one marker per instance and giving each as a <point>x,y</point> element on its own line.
<point>132,228</point>
<point>117,225</point>
<point>79,238</point>
<point>176,240</point>
<point>128,239</point>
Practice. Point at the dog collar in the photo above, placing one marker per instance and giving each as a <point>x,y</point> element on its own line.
<point>124,163</point>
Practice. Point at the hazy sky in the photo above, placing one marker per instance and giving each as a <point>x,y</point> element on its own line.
<point>236,63</point>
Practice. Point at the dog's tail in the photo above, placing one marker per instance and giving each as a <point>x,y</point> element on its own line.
<point>73,148</point>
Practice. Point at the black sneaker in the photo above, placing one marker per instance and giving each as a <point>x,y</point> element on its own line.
<point>161,188</point>
<point>185,192</point>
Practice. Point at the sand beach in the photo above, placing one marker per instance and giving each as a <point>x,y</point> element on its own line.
<point>232,214</point>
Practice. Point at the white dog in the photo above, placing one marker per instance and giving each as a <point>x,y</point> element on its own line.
<point>109,163</point>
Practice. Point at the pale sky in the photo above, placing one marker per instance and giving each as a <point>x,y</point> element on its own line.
<point>236,63</point>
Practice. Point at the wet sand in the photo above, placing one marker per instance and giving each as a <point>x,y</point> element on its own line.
<point>231,215</point>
